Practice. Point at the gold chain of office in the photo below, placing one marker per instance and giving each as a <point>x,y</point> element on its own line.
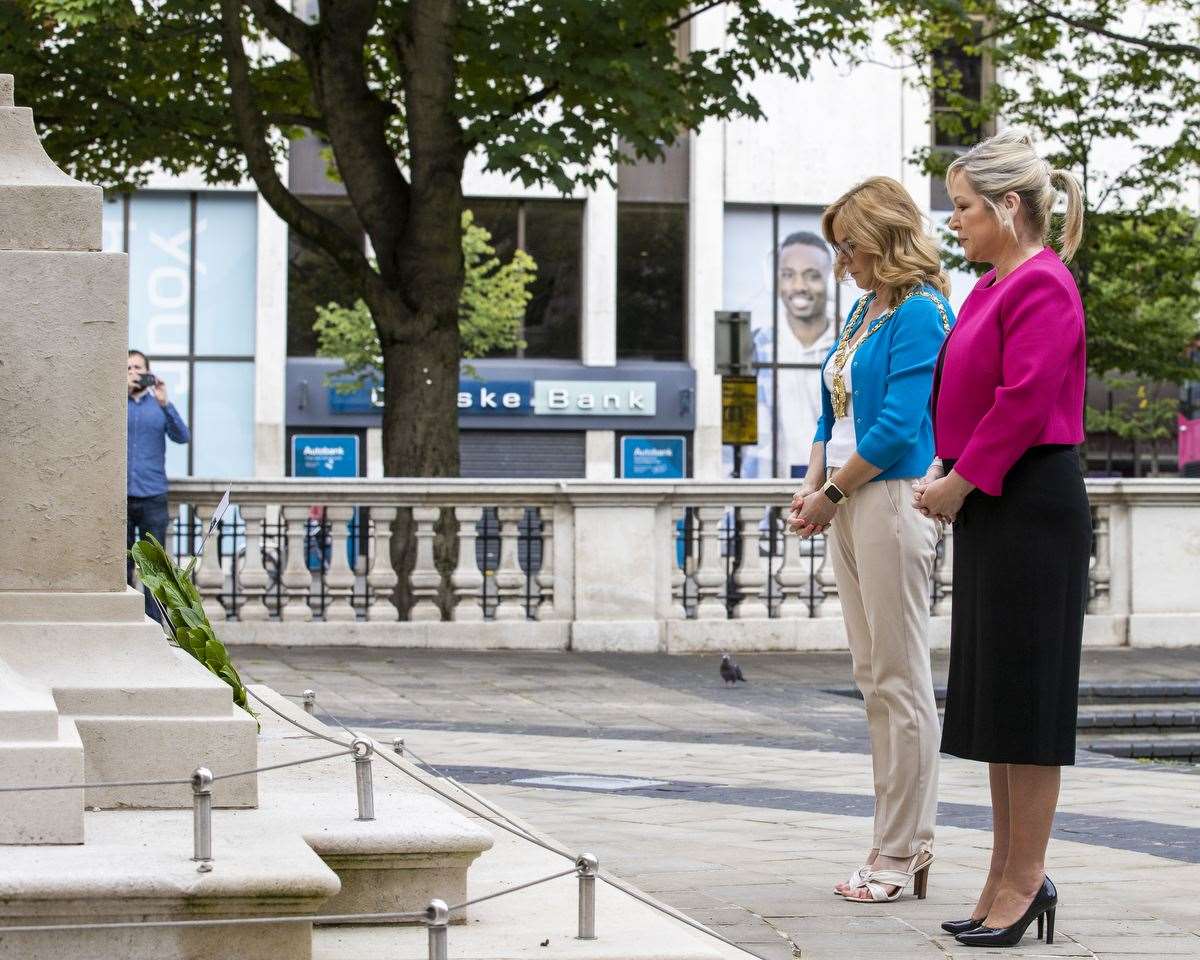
<point>839,394</point>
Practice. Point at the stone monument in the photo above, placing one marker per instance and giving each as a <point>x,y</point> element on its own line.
<point>80,663</point>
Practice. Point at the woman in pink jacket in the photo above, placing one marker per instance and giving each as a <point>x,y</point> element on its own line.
<point>1008,412</point>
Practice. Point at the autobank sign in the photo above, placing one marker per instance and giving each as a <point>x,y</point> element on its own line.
<point>566,398</point>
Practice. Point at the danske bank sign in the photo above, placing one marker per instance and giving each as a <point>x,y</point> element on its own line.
<point>564,398</point>
<point>605,398</point>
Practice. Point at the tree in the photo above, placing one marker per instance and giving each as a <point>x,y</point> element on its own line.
<point>403,91</point>
<point>490,312</point>
<point>1092,81</point>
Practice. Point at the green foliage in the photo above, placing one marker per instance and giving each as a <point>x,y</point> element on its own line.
<point>544,90</point>
<point>186,619</point>
<point>1093,81</point>
<point>491,308</point>
<point>1145,416</point>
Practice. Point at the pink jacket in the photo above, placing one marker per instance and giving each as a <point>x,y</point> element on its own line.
<point>1012,372</point>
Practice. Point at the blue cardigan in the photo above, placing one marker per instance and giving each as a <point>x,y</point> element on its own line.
<point>892,378</point>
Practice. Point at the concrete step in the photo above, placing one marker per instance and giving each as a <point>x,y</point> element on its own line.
<point>418,847</point>
<point>38,747</point>
<point>540,922</point>
<point>136,866</point>
<point>144,710</point>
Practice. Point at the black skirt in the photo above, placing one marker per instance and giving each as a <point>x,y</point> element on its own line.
<point>1016,627</point>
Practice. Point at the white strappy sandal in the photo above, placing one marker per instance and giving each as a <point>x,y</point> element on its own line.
<point>877,882</point>
<point>857,879</point>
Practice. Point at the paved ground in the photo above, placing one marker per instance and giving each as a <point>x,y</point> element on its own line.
<point>742,805</point>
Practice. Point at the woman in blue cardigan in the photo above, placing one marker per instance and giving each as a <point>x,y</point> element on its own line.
<point>874,439</point>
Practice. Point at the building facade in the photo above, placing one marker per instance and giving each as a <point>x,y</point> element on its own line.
<point>617,377</point>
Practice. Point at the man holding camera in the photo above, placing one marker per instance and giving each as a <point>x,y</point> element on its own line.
<point>151,418</point>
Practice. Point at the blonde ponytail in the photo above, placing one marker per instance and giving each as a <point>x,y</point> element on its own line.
<point>1008,163</point>
<point>1072,228</point>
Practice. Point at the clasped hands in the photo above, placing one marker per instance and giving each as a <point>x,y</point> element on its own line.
<point>940,496</point>
<point>935,495</point>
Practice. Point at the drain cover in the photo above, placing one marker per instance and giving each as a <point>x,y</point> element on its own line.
<point>581,781</point>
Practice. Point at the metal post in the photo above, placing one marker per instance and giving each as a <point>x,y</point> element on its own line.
<point>437,918</point>
<point>586,868</point>
<point>398,746</point>
<point>310,700</point>
<point>362,779</point>
<point>202,781</point>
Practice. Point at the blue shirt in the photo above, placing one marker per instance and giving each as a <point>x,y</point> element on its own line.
<point>892,382</point>
<point>148,426</point>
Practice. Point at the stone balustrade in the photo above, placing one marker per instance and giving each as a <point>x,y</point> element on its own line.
<point>674,566</point>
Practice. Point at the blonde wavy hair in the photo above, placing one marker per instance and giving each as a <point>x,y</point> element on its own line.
<point>1008,163</point>
<point>879,218</point>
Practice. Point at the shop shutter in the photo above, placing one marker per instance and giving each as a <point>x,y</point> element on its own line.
<point>511,453</point>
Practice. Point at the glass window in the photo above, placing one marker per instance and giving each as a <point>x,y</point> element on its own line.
<point>223,432</point>
<point>226,255</point>
<point>651,278</point>
<point>550,231</point>
<point>192,300</point>
<point>177,375</point>
<point>112,224</point>
<point>160,255</point>
<point>779,268</point>
<point>314,279</point>
<point>553,236</point>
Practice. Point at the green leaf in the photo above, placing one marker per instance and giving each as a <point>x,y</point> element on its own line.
<point>185,610</point>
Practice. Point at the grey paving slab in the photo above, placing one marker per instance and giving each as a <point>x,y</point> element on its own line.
<point>767,791</point>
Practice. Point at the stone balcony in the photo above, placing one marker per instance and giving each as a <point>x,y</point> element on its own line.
<point>645,566</point>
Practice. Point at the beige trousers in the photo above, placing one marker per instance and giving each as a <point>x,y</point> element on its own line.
<point>883,553</point>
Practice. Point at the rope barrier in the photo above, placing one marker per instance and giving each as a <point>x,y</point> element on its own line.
<point>215,922</point>
<point>281,766</point>
<point>521,833</point>
<point>284,716</point>
<point>507,890</point>
<point>96,786</point>
<point>172,782</point>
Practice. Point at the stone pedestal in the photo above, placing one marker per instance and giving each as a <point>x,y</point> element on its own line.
<point>39,748</point>
<point>68,623</point>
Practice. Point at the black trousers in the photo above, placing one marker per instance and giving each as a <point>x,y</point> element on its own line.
<point>1016,628</point>
<point>145,515</point>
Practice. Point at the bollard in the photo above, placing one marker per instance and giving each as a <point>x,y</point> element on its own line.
<point>398,746</point>
<point>586,868</point>
<point>437,918</point>
<point>202,781</point>
<point>310,700</point>
<point>363,780</point>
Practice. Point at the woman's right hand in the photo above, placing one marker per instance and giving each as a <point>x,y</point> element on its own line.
<point>935,472</point>
<point>798,499</point>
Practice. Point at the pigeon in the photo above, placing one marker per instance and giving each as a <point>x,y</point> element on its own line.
<point>730,671</point>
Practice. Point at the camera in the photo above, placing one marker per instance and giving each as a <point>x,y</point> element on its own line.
<point>147,380</point>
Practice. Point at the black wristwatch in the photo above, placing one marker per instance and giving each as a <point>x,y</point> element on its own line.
<point>833,492</point>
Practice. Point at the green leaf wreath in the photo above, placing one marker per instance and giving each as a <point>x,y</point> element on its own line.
<point>184,618</point>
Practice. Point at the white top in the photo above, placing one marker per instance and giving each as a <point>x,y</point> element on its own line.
<point>842,441</point>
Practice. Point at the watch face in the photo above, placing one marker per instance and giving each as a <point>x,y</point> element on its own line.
<point>833,493</point>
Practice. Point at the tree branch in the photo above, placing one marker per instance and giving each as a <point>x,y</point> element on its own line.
<point>251,129</point>
<point>1079,23</point>
<point>287,28</point>
<point>676,24</point>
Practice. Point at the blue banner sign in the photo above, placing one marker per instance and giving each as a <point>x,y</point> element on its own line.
<point>366,399</point>
<point>326,455</point>
<point>495,397</point>
<point>653,458</point>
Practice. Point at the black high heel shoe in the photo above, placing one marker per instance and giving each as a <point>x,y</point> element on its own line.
<point>1045,901</point>
<point>962,926</point>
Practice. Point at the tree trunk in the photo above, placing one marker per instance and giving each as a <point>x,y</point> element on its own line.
<point>420,413</point>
